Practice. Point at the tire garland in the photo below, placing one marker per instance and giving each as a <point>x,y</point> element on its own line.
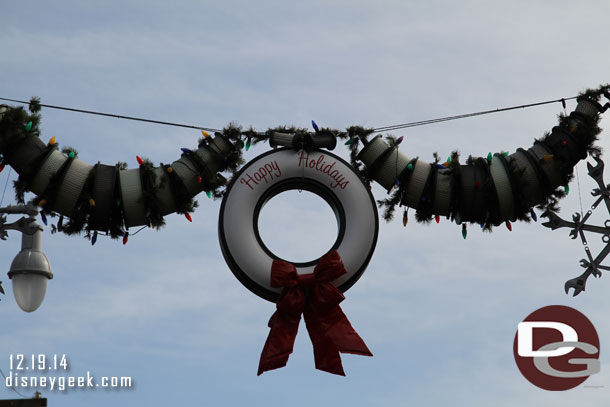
<point>486,190</point>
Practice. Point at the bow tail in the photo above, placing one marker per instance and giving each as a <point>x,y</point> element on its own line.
<point>279,344</point>
<point>331,335</point>
<point>343,335</point>
<point>326,354</point>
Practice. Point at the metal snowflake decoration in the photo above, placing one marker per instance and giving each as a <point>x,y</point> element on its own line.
<point>578,226</point>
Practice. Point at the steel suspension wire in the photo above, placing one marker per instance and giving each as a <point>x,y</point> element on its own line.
<point>377,129</point>
<point>463,116</point>
<point>118,116</point>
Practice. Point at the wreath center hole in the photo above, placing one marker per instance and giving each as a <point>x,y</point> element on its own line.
<point>298,226</point>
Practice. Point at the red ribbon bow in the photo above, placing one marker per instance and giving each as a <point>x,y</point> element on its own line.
<point>318,300</point>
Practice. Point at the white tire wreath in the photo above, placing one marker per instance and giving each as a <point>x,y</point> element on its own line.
<point>276,171</point>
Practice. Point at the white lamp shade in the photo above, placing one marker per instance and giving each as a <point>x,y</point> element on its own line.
<point>30,272</point>
<point>29,290</point>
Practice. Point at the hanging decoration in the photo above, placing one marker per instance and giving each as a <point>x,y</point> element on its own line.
<point>274,172</point>
<point>579,226</point>
<point>499,188</point>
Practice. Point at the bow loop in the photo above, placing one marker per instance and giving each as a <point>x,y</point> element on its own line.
<point>329,268</point>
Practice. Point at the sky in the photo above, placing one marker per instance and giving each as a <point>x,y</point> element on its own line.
<point>438,312</point>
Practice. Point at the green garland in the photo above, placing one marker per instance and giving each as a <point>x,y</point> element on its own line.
<point>17,124</point>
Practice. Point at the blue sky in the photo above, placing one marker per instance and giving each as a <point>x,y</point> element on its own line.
<point>438,312</point>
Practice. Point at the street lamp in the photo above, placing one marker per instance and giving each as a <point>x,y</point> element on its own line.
<point>30,270</point>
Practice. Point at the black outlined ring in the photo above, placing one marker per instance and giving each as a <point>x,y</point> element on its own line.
<point>274,172</point>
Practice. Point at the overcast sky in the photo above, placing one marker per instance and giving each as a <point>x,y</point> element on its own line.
<point>438,312</point>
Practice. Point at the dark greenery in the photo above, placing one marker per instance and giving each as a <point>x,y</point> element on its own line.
<point>82,211</point>
<point>149,198</point>
<point>183,200</point>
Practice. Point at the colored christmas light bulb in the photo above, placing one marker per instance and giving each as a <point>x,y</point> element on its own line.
<point>315,126</point>
<point>410,167</point>
<point>489,157</point>
<point>205,134</point>
<point>28,126</point>
<point>351,141</point>
<point>94,238</point>
<point>188,217</point>
<point>449,159</point>
<point>186,150</point>
<point>533,215</point>
<point>170,169</point>
<point>506,154</point>
<point>567,189</point>
<point>209,194</point>
<point>399,140</point>
<point>2,165</point>
<point>43,217</point>
<point>440,166</point>
<point>405,219</point>
<point>140,160</point>
<point>71,154</point>
<point>437,218</point>
<point>199,179</point>
<point>52,141</point>
<point>548,157</point>
<point>509,226</point>
<point>91,202</point>
<point>446,164</point>
<point>125,237</point>
<point>240,144</point>
<point>564,143</point>
<point>477,184</point>
<point>42,202</point>
<point>464,231</point>
<point>457,218</point>
<point>248,143</point>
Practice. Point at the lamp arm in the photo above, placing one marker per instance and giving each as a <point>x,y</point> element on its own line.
<point>25,225</point>
<point>28,209</point>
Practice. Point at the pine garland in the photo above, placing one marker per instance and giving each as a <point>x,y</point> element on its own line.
<point>17,124</point>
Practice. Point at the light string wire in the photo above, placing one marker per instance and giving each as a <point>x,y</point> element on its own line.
<point>13,387</point>
<point>5,185</point>
<point>377,129</point>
